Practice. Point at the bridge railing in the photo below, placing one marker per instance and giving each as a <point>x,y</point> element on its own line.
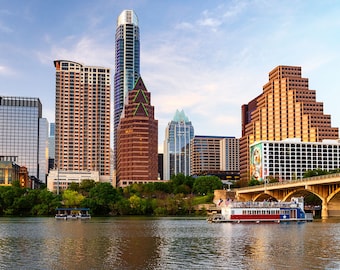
<point>333,175</point>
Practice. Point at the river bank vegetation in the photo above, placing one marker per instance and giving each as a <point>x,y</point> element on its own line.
<point>179,196</point>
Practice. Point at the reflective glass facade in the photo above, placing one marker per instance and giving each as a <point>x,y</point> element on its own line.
<point>51,142</point>
<point>127,64</point>
<point>178,135</point>
<point>23,134</point>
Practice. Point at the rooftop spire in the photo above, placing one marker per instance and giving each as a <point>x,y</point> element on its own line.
<point>180,116</point>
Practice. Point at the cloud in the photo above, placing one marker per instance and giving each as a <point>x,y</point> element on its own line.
<point>83,49</point>
<point>6,71</point>
<point>184,26</point>
<point>209,22</point>
<point>215,17</point>
<point>235,9</point>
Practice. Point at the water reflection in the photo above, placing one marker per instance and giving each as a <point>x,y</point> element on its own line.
<point>122,243</point>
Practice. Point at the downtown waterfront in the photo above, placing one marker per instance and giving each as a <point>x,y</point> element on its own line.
<point>166,243</point>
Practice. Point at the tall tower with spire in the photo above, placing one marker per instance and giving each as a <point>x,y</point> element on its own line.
<point>137,139</point>
<point>127,65</point>
<point>178,135</point>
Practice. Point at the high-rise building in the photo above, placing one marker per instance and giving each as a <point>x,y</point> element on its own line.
<point>82,120</point>
<point>178,135</point>
<point>287,108</point>
<point>127,52</point>
<point>24,134</point>
<point>214,155</point>
<point>137,140</point>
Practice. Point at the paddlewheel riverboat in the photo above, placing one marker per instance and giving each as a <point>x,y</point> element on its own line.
<point>265,211</point>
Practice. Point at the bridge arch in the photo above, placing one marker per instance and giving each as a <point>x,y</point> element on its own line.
<point>332,203</point>
<point>333,194</point>
<point>263,196</point>
<point>300,192</point>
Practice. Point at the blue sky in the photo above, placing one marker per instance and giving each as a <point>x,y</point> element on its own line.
<point>205,57</point>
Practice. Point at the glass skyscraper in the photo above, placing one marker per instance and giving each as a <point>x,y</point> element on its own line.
<point>24,134</point>
<point>178,135</point>
<point>127,52</point>
<point>51,147</point>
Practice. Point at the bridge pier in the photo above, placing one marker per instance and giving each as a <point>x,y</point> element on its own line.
<point>324,211</point>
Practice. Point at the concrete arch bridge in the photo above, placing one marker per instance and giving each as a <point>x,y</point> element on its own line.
<point>325,187</point>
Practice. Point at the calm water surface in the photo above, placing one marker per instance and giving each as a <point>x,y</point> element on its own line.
<point>166,243</point>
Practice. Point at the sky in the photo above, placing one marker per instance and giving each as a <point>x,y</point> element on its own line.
<point>207,58</point>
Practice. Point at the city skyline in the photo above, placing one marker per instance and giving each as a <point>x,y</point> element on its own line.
<point>189,53</point>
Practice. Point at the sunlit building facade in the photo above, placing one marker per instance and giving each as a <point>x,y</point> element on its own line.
<point>178,135</point>
<point>127,64</point>
<point>82,120</point>
<point>24,134</point>
<point>9,172</point>
<point>214,155</point>
<point>287,108</point>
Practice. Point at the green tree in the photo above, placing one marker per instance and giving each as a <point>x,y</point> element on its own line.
<point>102,198</point>
<point>181,184</point>
<point>206,184</point>
<point>136,204</point>
<point>121,207</point>
<point>8,196</point>
<point>23,204</point>
<point>162,187</point>
<point>19,201</point>
<point>46,203</point>
<point>316,172</point>
<point>74,186</point>
<point>254,182</point>
<point>188,205</point>
<point>72,198</point>
<point>86,185</point>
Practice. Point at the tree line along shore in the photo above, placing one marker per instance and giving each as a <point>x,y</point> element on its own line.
<point>179,196</point>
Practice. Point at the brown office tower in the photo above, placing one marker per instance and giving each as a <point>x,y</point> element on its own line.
<point>285,109</point>
<point>82,124</point>
<point>137,147</point>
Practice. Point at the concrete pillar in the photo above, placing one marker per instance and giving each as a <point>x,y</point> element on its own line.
<point>219,194</point>
<point>324,211</point>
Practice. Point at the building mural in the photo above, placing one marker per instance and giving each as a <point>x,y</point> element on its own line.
<point>256,167</point>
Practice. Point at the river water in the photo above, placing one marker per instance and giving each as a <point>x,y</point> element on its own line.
<point>166,243</point>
